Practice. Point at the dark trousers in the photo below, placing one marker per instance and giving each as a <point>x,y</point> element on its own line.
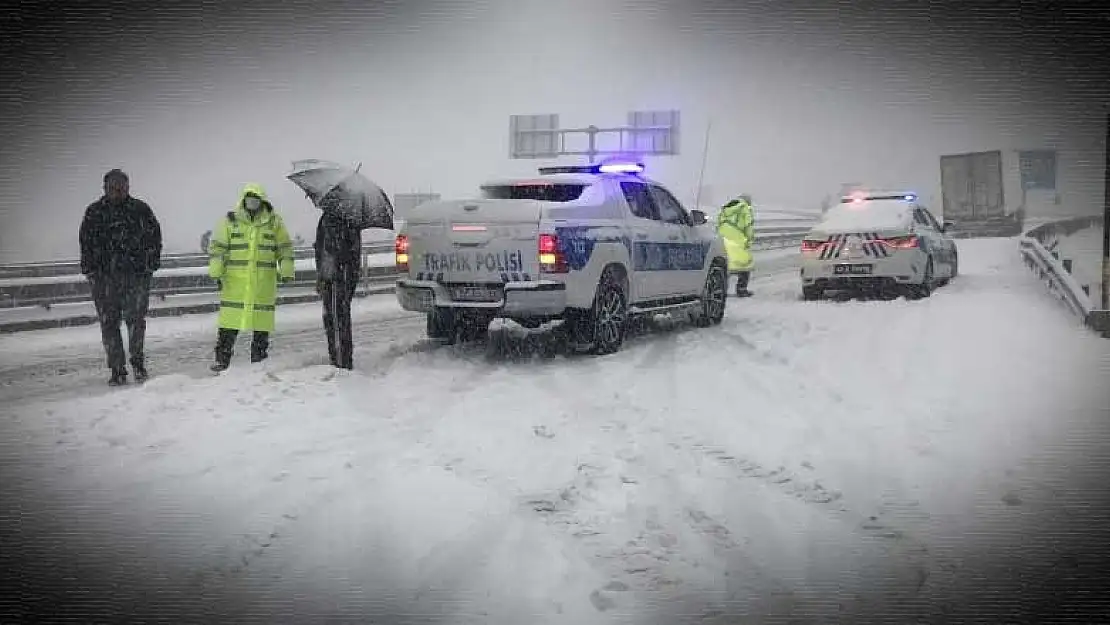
<point>225,345</point>
<point>337,298</point>
<point>742,280</point>
<point>122,298</point>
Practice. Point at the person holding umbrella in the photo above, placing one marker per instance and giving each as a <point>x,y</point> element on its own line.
<point>249,252</point>
<point>338,269</point>
<point>350,203</point>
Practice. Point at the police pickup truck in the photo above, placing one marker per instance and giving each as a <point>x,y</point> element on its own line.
<point>592,245</point>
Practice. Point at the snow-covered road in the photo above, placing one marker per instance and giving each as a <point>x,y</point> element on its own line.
<point>813,460</point>
<point>70,361</point>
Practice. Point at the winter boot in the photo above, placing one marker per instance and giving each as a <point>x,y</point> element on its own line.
<point>141,374</point>
<point>742,284</point>
<point>119,378</point>
<point>218,367</point>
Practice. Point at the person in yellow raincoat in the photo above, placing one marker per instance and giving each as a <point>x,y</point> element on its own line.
<point>736,225</point>
<point>249,252</point>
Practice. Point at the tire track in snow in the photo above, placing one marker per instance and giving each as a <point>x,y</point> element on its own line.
<point>791,484</point>
<point>651,560</point>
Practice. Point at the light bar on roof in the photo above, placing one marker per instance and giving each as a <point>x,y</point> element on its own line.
<point>611,167</point>
<point>859,199</point>
<point>618,167</point>
<point>568,169</point>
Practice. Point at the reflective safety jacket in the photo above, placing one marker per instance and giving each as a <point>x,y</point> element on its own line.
<point>736,225</point>
<point>248,255</point>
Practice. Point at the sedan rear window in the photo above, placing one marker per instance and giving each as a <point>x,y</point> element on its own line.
<point>550,192</point>
<point>874,214</point>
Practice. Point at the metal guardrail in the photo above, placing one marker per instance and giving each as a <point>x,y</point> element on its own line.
<point>169,261</point>
<point>52,293</point>
<point>1036,247</point>
<point>48,293</point>
<point>782,239</point>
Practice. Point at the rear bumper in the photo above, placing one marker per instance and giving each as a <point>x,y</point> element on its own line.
<point>860,283</point>
<point>902,268</point>
<point>521,299</point>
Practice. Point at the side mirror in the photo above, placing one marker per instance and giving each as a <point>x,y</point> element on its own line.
<point>946,225</point>
<point>698,217</point>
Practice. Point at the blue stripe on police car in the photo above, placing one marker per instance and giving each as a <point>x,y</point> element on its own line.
<point>577,244</point>
<point>651,256</point>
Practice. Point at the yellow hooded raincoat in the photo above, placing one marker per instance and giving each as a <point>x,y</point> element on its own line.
<point>736,225</point>
<point>248,256</point>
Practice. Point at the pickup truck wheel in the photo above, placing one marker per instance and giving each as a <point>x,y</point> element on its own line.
<point>712,310</point>
<point>608,318</point>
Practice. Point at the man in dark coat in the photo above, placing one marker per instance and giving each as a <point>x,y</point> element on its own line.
<point>121,248</point>
<point>338,268</point>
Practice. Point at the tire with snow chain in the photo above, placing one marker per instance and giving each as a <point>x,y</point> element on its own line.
<point>925,289</point>
<point>712,310</point>
<point>607,319</point>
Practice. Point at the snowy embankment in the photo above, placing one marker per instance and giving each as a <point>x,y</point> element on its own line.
<point>804,459</point>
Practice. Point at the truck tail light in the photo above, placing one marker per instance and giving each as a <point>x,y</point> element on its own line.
<point>552,259</point>
<point>401,253</point>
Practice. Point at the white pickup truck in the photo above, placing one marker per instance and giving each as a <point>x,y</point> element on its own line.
<point>592,245</point>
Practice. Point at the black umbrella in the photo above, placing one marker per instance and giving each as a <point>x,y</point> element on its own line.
<point>335,188</point>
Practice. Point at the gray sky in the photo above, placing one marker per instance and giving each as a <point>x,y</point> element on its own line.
<point>800,101</point>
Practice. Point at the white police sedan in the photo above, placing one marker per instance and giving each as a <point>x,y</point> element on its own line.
<point>880,242</point>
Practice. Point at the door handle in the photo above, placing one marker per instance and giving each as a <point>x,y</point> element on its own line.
<point>641,235</point>
<point>673,237</point>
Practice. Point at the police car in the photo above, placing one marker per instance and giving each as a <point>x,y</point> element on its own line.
<point>592,245</point>
<point>886,242</point>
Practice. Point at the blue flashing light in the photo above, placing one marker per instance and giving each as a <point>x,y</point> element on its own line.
<point>909,197</point>
<point>621,167</point>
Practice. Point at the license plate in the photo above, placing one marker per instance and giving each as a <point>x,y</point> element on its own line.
<point>852,270</point>
<point>475,294</point>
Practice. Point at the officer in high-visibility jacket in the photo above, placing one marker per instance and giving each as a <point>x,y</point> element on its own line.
<point>736,225</point>
<point>249,252</point>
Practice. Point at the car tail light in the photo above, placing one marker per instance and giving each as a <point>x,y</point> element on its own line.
<point>809,245</point>
<point>902,243</point>
<point>552,259</point>
<point>401,253</point>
